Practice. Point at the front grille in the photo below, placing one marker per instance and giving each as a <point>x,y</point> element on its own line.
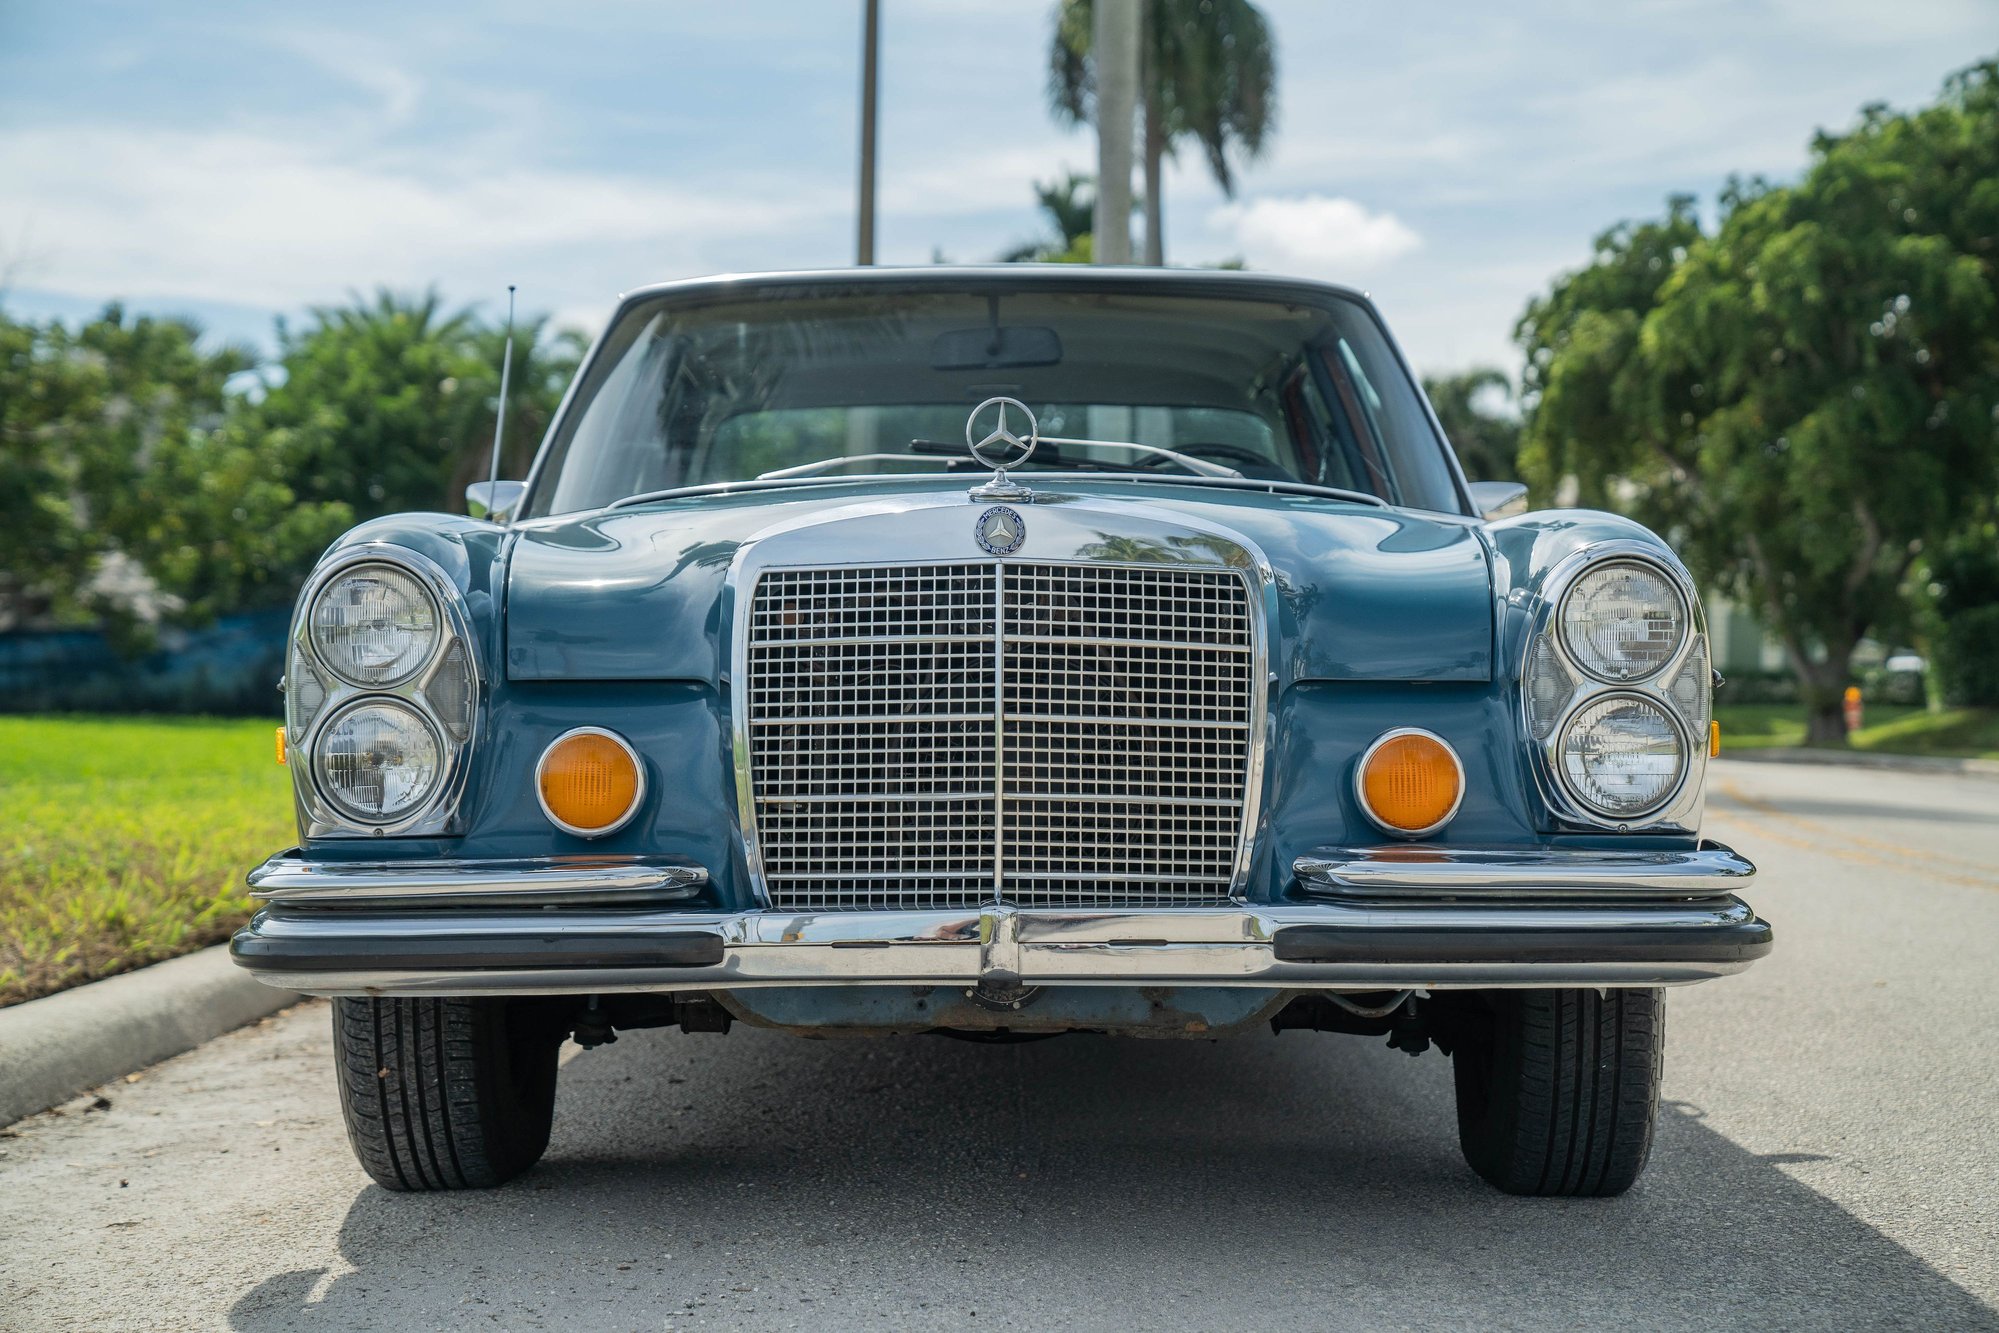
<point>1043,735</point>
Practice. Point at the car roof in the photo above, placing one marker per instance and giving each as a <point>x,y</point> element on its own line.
<point>959,277</point>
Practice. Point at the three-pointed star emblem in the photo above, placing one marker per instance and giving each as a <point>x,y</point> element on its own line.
<point>1000,531</point>
<point>1002,433</point>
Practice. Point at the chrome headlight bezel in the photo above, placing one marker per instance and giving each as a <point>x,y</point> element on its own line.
<point>446,679</point>
<point>1545,659</point>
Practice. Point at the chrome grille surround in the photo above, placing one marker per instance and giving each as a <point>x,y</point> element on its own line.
<point>947,733</point>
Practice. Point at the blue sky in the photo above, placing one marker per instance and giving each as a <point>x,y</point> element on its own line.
<point>240,161</point>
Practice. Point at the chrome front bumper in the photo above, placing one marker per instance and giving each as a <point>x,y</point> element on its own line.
<point>1383,918</point>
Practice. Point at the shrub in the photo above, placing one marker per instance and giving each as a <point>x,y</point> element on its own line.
<point>1968,657</point>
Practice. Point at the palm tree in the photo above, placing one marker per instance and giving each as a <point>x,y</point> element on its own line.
<point>1069,204</point>
<point>1208,73</point>
<point>1472,406</point>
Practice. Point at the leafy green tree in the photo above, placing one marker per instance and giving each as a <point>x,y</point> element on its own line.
<point>233,534</point>
<point>143,501</point>
<point>1583,383</point>
<point>388,404</point>
<point>1471,407</point>
<point>377,402</point>
<point>1811,393</point>
<point>43,550</point>
<point>1207,73</point>
<point>1957,614</point>
<point>545,360</point>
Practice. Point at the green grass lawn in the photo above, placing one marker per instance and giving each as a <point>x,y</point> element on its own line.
<point>124,840</point>
<point>1960,733</point>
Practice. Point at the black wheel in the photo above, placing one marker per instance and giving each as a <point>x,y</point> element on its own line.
<point>446,1094</point>
<point>1558,1090</point>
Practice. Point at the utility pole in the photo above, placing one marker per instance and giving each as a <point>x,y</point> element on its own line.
<point>1114,44</point>
<point>870,48</point>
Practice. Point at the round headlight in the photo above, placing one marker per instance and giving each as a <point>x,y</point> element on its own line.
<point>378,761</point>
<point>374,625</point>
<point>1623,621</point>
<point>1623,757</point>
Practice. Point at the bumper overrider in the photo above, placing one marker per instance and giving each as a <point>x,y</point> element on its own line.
<point>1362,918</point>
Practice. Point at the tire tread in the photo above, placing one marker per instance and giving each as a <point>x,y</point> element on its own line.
<point>440,1094</point>
<point>1562,1097</point>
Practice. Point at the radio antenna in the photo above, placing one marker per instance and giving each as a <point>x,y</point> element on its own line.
<point>506,367</point>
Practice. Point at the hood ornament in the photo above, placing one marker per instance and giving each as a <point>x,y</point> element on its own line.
<point>1000,440</point>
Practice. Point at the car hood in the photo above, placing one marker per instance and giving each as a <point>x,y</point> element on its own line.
<point>642,593</point>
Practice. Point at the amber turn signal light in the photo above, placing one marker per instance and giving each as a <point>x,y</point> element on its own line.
<point>589,782</point>
<point>1410,782</point>
<point>1714,740</point>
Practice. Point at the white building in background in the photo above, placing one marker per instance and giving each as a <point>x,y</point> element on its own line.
<point>1737,641</point>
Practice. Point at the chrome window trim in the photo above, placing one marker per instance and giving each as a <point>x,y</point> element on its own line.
<point>1680,812</point>
<point>941,534</point>
<point>1360,783</point>
<point>638,795</point>
<point>319,818</point>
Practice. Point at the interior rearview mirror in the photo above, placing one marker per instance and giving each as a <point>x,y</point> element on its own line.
<point>1002,347</point>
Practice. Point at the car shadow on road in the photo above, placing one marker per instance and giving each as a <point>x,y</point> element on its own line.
<point>1300,1181</point>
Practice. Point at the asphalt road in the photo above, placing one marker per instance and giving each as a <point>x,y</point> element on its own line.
<point>1829,1158</point>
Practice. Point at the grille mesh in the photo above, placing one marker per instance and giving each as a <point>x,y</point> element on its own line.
<point>1046,735</point>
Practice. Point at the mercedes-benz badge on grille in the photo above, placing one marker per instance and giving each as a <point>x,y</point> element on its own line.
<point>1000,531</point>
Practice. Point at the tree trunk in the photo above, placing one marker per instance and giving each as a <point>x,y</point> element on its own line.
<point>1115,45</point>
<point>1822,689</point>
<point>1825,724</point>
<point>1155,203</point>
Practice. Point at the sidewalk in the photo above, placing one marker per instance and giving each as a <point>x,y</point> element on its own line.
<point>62,1044</point>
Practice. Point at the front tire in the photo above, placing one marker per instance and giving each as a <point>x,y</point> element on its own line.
<point>1558,1090</point>
<point>448,1093</point>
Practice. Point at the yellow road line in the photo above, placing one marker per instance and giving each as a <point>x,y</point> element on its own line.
<point>1821,831</point>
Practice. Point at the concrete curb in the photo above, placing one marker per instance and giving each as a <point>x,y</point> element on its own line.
<point>1903,763</point>
<point>62,1044</point>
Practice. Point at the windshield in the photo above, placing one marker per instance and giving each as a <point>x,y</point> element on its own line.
<point>858,380</point>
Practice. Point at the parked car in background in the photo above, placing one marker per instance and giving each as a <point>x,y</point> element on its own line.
<point>994,654</point>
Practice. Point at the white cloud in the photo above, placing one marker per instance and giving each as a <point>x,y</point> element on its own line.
<point>257,219</point>
<point>1315,235</point>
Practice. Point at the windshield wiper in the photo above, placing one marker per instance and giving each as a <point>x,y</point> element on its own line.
<point>817,466</point>
<point>1055,458</point>
<point>1104,472</point>
<point>1188,461</point>
<point>921,449</point>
